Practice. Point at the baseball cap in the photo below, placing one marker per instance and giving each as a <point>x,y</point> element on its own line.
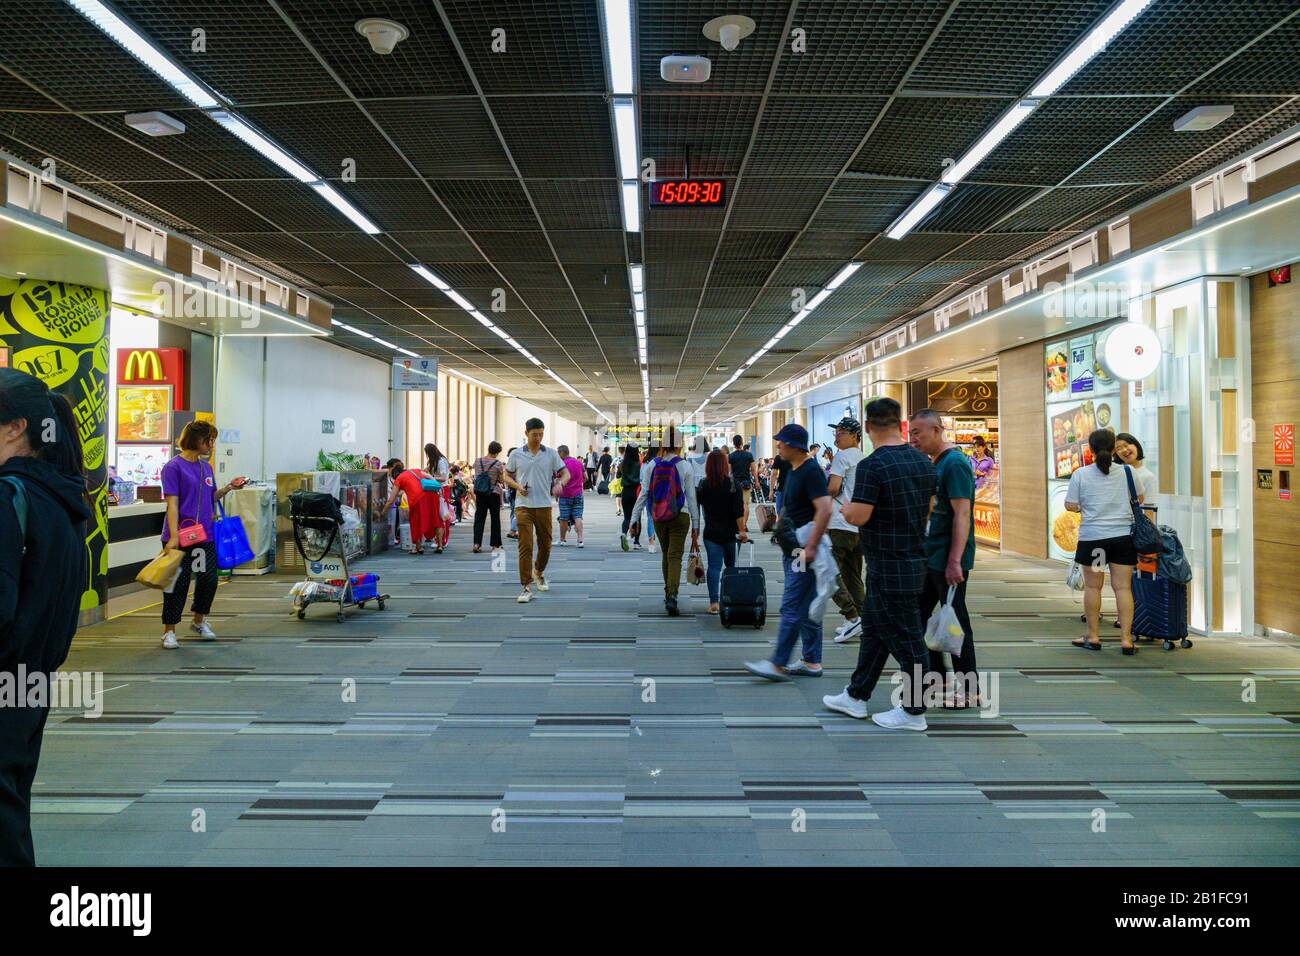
<point>849,424</point>
<point>796,436</point>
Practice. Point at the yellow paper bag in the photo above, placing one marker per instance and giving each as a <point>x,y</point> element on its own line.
<point>161,572</point>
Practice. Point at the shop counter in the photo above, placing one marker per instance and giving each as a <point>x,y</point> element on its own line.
<point>134,539</point>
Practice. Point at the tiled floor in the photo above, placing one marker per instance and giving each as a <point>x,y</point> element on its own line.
<point>486,732</point>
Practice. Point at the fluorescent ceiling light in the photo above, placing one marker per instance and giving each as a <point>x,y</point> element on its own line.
<point>815,301</point>
<point>989,141</point>
<point>144,51</point>
<point>638,301</point>
<point>632,206</point>
<point>638,276</point>
<point>384,343</point>
<point>482,319</point>
<point>625,137</point>
<point>618,46</point>
<point>1089,46</point>
<point>429,277</point>
<point>408,352</point>
<point>842,275</point>
<point>918,210</point>
<point>237,127</point>
<point>358,218</point>
<point>499,332</point>
<point>459,299</point>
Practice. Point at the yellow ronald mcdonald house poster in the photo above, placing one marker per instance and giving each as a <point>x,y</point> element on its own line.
<point>58,332</point>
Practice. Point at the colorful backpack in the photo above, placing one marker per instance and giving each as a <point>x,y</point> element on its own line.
<point>666,494</point>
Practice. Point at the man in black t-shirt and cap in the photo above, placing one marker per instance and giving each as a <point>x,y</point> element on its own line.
<point>892,489</point>
<point>743,471</point>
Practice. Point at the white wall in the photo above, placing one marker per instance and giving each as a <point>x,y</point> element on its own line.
<point>277,405</point>
<point>513,413</point>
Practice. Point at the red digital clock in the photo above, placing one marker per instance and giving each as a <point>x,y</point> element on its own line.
<point>687,192</point>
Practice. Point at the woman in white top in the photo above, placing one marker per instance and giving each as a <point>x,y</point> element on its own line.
<point>1129,450</point>
<point>698,456</point>
<point>1100,493</point>
<point>439,468</point>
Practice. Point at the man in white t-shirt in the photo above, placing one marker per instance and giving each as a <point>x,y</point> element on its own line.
<point>844,536</point>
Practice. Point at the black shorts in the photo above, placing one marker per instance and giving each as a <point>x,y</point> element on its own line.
<point>1118,550</point>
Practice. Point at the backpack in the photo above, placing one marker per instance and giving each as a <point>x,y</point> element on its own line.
<point>20,503</point>
<point>666,494</point>
<point>483,480</point>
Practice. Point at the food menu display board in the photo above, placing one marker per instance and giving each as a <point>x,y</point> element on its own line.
<point>1062,526</point>
<point>1072,371</point>
<point>142,464</point>
<point>1068,429</point>
<point>144,413</point>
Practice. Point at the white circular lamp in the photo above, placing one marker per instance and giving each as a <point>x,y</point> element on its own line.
<point>1129,351</point>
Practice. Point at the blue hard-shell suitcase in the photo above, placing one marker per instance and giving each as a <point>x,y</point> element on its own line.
<point>1160,609</point>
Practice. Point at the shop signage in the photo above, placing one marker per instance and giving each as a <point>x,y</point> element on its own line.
<point>1284,444</point>
<point>988,522</point>
<point>1129,351</point>
<point>153,367</point>
<point>1279,276</point>
<point>415,375</point>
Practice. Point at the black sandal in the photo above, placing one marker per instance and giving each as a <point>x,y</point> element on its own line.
<point>1129,651</point>
<point>1086,644</point>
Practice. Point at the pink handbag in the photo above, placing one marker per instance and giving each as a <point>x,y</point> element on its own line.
<point>191,533</point>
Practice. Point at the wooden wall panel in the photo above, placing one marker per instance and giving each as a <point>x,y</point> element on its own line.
<point>1162,219</point>
<point>1022,437</point>
<point>1275,399</point>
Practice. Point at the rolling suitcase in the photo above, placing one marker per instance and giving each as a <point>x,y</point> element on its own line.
<point>603,487</point>
<point>1160,609</point>
<point>742,594</point>
<point>765,511</point>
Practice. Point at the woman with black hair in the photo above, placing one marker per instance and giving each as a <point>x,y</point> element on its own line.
<point>440,470</point>
<point>190,491</point>
<point>1129,450</point>
<point>43,572</point>
<point>1100,493</point>
<point>629,473</point>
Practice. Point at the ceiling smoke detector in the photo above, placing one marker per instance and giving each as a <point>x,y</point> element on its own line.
<point>383,35</point>
<point>729,30</point>
<point>682,68</point>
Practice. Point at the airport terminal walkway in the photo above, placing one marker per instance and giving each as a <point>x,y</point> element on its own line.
<point>472,709</point>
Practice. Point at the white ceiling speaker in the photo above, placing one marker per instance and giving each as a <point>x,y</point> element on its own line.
<point>155,123</point>
<point>383,35</point>
<point>680,68</point>
<point>1203,117</point>
<point>729,30</point>
<point>1129,351</point>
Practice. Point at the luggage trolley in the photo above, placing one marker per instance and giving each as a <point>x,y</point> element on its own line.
<point>319,512</point>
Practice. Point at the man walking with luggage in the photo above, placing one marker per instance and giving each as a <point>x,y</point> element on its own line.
<point>891,500</point>
<point>844,537</point>
<point>743,471</point>
<point>808,506</point>
<point>531,472</point>
<point>949,549</point>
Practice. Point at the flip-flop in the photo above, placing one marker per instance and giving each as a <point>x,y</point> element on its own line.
<point>1086,644</point>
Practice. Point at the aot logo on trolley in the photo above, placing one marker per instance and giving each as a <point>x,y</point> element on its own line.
<point>687,192</point>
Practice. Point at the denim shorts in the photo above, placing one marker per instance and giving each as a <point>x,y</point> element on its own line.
<point>571,508</point>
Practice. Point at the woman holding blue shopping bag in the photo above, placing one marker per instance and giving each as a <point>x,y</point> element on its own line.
<point>190,490</point>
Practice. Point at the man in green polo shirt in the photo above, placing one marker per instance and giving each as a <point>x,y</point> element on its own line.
<point>949,549</point>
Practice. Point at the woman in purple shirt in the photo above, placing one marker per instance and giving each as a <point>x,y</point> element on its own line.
<point>190,489</point>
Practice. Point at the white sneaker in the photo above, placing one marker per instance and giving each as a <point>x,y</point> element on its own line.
<point>637,546</point>
<point>525,596</point>
<point>581,545</point>
<point>653,547</point>
<point>563,543</point>
<point>169,641</point>
<point>899,719</point>
<point>845,704</point>
<point>204,631</point>
<point>767,670</point>
<point>848,631</point>
<point>540,582</point>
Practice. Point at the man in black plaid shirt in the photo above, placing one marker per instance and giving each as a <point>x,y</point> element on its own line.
<point>891,502</point>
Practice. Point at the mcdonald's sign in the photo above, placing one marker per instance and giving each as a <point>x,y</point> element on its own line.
<point>154,367</point>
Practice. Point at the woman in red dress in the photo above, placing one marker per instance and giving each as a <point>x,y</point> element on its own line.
<point>407,482</point>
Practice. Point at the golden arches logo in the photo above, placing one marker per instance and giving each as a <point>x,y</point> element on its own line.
<point>147,362</point>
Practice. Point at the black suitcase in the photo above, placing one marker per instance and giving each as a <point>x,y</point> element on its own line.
<point>602,488</point>
<point>742,594</point>
<point>1160,609</point>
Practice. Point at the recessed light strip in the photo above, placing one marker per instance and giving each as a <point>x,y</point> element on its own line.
<point>1109,27</point>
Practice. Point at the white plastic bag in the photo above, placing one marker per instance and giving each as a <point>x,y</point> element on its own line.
<point>943,631</point>
<point>1074,577</point>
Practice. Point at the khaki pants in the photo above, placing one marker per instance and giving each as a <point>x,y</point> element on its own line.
<point>672,537</point>
<point>533,522</point>
<point>851,593</point>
